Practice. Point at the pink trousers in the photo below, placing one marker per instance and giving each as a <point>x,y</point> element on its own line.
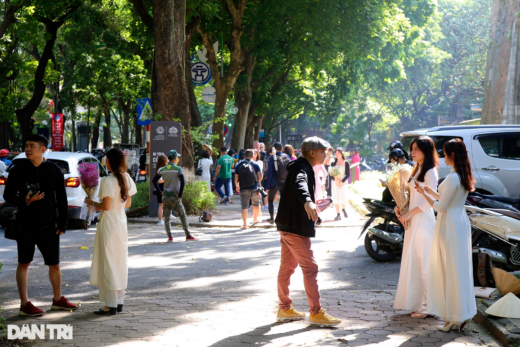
<point>296,250</point>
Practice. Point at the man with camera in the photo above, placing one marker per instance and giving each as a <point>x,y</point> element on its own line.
<point>37,187</point>
<point>247,176</point>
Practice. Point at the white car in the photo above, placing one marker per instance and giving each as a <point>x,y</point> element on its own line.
<point>68,162</point>
<point>494,151</point>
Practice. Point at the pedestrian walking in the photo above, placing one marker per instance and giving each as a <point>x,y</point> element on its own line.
<point>412,289</point>
<point>356,162</point>
<point>247,176</point>
<point>173,178</point>
<point>338,183</point>
<point>326,164</point>
<point>205,164</point>
<point>289,150</point>
<point>450,282</point>
<point>162,160</point>
<point>296,224</point>
<point>109,269</point>
<point>263,153</point>
<point>321,175</point>
<point>276,174</point>
<point>38,183</point>
<point>223,176</point>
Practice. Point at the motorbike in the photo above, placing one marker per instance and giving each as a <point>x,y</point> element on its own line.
<point>383,242</point>
<point>497,233</point>
<point>494,202</point>
<point>364,166</point>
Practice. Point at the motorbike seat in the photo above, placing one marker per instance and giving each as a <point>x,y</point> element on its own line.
<point>512,201</point>
<point>507,213</point>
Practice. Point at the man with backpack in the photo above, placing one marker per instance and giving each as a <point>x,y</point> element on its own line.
<point>276,174</point>
<point>247,176</point>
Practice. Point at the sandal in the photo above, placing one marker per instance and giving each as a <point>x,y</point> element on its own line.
<point>419,315</point>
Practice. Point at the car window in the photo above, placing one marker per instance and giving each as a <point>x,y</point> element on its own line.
<point>102,171</point>
<point>440,141</point>
<point>406,141</point>
<point>501,146</point>
<point>64,166</point>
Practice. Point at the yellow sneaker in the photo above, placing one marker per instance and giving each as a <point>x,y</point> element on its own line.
<point>323,318</point>
<point>290,314</point>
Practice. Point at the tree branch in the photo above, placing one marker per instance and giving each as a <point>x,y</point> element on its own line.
<point>143,13</point>
<point>10,18</point>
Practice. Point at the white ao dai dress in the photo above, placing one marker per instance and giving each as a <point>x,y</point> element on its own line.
<point>451,294</point>
<point>415,261</point>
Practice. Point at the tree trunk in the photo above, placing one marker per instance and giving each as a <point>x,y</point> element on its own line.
<point>73,148</point>
<point>107,132</point>
<point>95,132</point>
<point>258,127</point>
<point>196,118</point>
<point>251,121</point>
<point>243,96</point>
<point>171,95</point>
<point>125,108</point>
<point>24,114</point>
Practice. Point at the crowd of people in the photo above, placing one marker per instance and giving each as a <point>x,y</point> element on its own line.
<point>436,268</point>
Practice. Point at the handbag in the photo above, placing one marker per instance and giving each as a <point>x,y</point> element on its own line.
<point>12,227</point>
<point>205,217</point>
<point>198,172</point>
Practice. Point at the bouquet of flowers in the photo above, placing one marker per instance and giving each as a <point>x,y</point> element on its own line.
<point>397,178</point>
<point>89,178</point>
<point>335,171</point>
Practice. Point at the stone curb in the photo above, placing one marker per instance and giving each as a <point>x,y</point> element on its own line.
<point>495,327</point>
<point>206,225</point>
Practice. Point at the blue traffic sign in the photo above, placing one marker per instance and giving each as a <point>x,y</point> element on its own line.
<point>144,111</point>
<point>200,73</point>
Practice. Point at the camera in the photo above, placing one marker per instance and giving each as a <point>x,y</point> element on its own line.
<point>262,192</point>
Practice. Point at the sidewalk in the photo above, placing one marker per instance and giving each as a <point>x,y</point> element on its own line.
<point>225,216</point>
<point>369,319</point>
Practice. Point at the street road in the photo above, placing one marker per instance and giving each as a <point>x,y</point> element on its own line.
<point>224,260</point>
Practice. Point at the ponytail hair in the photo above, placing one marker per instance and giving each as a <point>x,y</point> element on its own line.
<point>117,161</point>
<point>455,149</point>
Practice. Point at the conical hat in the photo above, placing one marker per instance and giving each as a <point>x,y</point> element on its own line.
<point>507,307</point>
<point>506,283</point>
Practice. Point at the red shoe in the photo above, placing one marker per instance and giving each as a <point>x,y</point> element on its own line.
<point>30,310</point>
<point>63,304</point>
<point>191,238</point>
<point>170,239</point>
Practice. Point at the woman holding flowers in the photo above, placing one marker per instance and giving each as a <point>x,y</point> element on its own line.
<point>109,270</point>
<point>420,221</point>
<point>340,172</point>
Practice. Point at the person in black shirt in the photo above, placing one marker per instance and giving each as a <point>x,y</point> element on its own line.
<point>37,187</point>
<point>296,223</point>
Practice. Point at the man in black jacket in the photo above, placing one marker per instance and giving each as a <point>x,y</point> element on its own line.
<point>296,223</point>
<point>37,187</point>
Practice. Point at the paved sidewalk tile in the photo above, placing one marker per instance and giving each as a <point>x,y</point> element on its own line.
<point>368,320</point>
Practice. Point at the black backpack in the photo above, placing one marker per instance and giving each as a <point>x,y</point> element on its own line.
<point>247,175</point>
<point>281,172</point>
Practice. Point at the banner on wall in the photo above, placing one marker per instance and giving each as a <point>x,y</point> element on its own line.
<point>57,131</point>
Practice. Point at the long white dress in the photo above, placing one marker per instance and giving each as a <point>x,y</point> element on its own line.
<point>415,261</point>
<point>450,285</point>
<point>109,270</point>
<point>205,164</point>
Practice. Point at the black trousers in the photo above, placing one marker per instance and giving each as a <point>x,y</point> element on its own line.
<point>272,194</point>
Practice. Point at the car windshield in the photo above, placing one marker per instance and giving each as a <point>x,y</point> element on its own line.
<point>64,166</point>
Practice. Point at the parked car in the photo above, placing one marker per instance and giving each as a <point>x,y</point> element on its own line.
<point>494,151</point>
<point>68,162</point>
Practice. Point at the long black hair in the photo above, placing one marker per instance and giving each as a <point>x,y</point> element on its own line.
<point>456,150</point>
<point>117,161</point>
<point>431,159</point>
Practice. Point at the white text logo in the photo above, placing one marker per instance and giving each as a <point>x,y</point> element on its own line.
<point>56,331</point>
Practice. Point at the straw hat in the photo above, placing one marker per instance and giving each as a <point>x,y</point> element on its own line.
<point>506,283</point>
<point>507,307</point>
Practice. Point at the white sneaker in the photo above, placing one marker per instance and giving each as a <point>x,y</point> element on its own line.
<point>160,223</point>
<point>172,217</point>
